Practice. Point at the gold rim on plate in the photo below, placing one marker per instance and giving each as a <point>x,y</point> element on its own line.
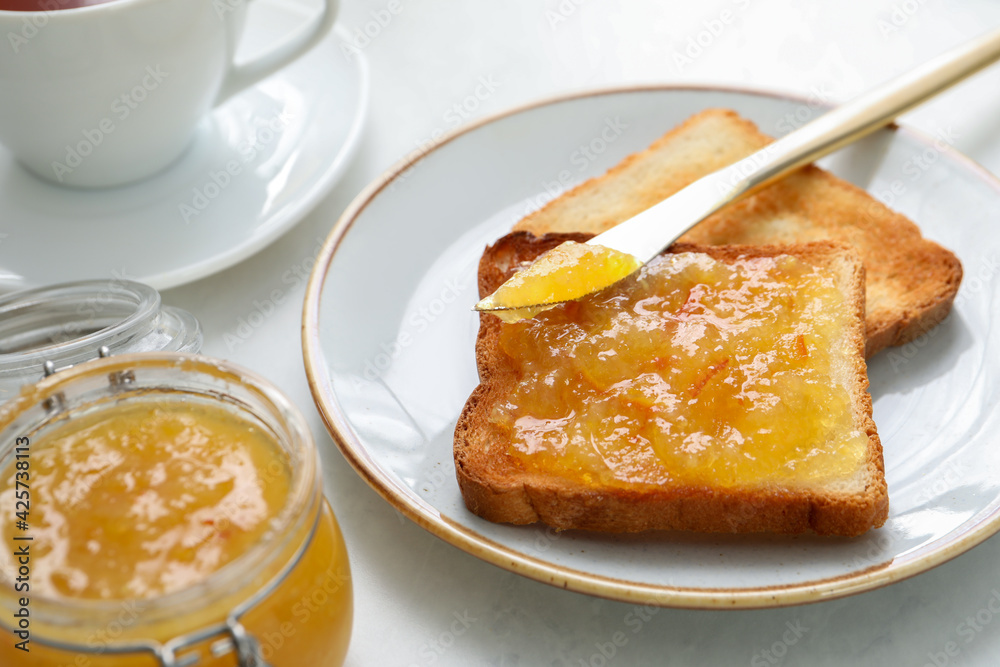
<point>425,515</point>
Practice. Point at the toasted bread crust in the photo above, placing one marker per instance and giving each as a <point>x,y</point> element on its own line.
<point>497,488</point>
<point>912,281</point>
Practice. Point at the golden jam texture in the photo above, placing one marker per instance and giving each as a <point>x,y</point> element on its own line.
<point>145,499</point>
<point>567,272</point>
<point>691,371</point>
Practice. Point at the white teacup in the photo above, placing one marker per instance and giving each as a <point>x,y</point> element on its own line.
<point>111,93</point>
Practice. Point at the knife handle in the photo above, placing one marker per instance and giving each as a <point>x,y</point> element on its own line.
<point>648,233</point>
<point>862,115</point>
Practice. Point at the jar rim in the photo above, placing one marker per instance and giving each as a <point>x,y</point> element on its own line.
<point>304,486</point>
<point>141,300</point>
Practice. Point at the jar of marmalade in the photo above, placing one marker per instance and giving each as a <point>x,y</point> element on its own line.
<point>165,509</point>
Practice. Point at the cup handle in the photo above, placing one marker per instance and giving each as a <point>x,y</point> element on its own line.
<point>249,73</point>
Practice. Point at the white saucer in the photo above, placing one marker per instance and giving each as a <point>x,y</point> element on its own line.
<point>287,140</point>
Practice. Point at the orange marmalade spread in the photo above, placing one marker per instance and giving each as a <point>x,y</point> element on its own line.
<point>690,371</point>
<point>146,499</point>
<point>567,272</point>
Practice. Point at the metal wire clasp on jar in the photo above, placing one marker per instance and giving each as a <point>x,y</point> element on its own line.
<point>154,426</point>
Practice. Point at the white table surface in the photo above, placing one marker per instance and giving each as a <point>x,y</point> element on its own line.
<point>420,601</point>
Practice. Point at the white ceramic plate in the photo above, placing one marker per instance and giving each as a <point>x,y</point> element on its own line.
<point>388,337</point>
<point>290,138</point>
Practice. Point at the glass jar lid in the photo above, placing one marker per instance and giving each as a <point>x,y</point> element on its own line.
<point>69,323</point>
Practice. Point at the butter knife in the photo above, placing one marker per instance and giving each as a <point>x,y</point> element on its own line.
<point>648,233</point>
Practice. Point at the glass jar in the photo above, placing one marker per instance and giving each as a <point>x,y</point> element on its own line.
<point>285,601</point>
<point>67,324</point>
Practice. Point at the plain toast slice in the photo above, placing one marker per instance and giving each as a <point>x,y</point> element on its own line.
<point>497,485</point>
<point>911,281</point>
